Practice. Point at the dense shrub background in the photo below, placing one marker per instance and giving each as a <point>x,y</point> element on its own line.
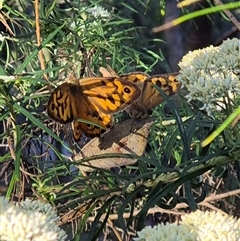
<point>35,152</point>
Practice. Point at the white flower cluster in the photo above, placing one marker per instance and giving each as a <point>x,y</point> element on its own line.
<point>168,232</point>
<point>212,73</point>
<point>196,226</point>
<point>29,221</point>
<point>211,226</point>
<point>98,15</point>
<point>98,12</point>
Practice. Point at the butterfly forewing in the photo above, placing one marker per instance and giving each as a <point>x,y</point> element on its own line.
<point>110,94</point>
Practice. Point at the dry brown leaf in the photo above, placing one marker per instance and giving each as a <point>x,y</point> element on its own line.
<point>129,137</point>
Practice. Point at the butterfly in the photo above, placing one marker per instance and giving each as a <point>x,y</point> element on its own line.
<point>150,96</point>
<point>93,100</point>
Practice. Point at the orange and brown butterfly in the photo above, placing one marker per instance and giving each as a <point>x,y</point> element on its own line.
<point>150,96</point>
<point>93,100</point>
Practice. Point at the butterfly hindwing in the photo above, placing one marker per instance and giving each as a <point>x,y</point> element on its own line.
<point>59,105</point>
<point>166,82</point>
<point>151,97</point>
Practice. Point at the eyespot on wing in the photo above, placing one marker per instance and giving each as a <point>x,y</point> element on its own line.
<point>111,94</point>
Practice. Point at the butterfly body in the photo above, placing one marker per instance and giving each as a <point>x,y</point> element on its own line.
<point>93,100</point>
